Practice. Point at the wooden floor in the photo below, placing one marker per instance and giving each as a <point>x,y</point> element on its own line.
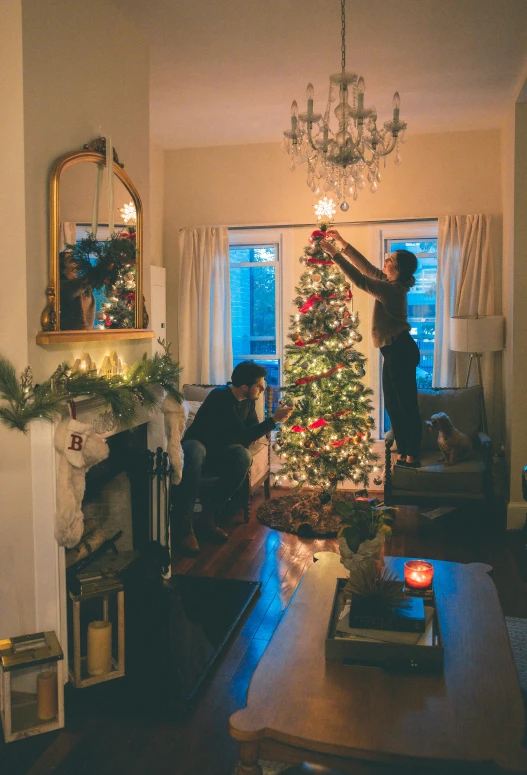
<point>105,744</point>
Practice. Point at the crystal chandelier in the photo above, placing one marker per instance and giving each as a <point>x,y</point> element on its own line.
<point>344,160</point>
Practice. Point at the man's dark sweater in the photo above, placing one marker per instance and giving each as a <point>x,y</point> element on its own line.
<point>222,420</point>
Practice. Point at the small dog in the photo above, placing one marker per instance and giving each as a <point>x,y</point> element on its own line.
<point>454,445</point>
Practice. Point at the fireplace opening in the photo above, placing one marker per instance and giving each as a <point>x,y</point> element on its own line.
<point>116,498</point>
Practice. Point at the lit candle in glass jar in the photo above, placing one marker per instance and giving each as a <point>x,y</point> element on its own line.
<point>418,574</point>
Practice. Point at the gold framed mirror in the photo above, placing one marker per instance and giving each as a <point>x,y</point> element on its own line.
<point>95,288</point>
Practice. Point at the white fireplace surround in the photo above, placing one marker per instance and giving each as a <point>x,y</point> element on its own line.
<point>50,569</point>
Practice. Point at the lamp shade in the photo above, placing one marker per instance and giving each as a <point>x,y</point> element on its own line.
<point>476,335</point>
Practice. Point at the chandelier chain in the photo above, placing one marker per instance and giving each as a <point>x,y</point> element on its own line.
<point>343,20</point>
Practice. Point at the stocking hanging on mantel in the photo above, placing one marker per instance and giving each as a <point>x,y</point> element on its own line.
<point>80,448</point>
<point>176,414</point>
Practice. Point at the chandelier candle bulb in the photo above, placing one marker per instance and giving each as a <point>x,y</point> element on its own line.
<point>396,106</point>
<point>418,574</point>
<point>360,90</point>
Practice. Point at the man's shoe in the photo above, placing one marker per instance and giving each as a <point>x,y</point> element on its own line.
<point>189,543</point>
<point>400,462</point>
<point>216,534</point>
<point>413,464</point>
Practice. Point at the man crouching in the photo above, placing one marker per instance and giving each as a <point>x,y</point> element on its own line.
<point>216,444</point>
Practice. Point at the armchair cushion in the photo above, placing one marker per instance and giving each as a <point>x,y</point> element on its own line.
<point>465,477</point>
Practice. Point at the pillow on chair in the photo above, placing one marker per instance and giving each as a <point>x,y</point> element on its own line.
<point>193,407</point>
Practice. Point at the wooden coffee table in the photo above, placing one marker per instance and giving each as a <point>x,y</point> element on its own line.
<point>302,708</point>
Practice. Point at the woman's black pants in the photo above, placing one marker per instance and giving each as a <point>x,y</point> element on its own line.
<point>400,393</point>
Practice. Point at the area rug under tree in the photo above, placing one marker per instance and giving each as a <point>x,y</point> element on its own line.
<point>302,514</point>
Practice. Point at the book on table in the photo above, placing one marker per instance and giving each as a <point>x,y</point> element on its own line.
<point>425,638</point>
<point>409,616</point>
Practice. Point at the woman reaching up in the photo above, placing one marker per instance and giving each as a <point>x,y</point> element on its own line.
<point>391,334</point>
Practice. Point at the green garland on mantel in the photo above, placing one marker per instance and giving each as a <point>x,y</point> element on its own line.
<point>24,402</point>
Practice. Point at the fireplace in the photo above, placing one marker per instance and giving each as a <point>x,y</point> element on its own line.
<point>50,566</point>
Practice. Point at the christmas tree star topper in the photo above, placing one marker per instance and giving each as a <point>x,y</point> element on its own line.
<point>324,210</point>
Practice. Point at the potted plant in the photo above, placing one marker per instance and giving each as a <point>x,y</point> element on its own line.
<point>365,528</point>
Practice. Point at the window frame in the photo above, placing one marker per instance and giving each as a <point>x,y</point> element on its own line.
<point>261,238</point>
<point>403,230</point>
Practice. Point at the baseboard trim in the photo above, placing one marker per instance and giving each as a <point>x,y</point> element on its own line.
<point>516,515</point>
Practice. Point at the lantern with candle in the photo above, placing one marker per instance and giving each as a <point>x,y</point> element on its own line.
<point>32,685</point>
<point>102,603</point>
<point>418,575</point>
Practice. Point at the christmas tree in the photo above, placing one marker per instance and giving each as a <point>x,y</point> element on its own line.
<point>328,437</point>
<point>118,310</point>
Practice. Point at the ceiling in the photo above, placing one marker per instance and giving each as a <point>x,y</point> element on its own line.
<point>224,72</point>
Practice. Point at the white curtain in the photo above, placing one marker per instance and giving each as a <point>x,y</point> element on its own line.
<point>465,286</point>
<point>204,306</point>
<point>67,234</point>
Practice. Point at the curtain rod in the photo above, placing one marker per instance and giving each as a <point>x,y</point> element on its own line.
<point>336,225</point>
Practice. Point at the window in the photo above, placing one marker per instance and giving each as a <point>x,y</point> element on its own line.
<point>421,304</point>
<point>255,289</point>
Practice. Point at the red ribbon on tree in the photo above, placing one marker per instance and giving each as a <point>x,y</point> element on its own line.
<point>318,261</point>
<point>307,380</point>
<point>306,306</point>
<point>340,442</point>
<point>317,424</point>
<point>318,339</point>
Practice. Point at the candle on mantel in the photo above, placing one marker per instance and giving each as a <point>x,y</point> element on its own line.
<point>99,648</point>
<point>47,696</point>
<point>418,574</point>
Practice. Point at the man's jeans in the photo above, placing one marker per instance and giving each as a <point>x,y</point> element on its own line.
<point>231,464</point>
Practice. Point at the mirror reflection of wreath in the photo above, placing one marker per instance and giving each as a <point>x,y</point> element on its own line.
<point>100,262</point>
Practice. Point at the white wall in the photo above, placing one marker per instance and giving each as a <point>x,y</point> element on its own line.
<point>71,69</point>
<point>157,196</point>
<point>514,159</point>
<point>17,580</point>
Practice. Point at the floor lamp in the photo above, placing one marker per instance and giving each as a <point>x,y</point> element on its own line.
<point>477,335</point>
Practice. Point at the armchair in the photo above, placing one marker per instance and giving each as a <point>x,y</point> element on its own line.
<point>260,471</point>
<point>469,480</point>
